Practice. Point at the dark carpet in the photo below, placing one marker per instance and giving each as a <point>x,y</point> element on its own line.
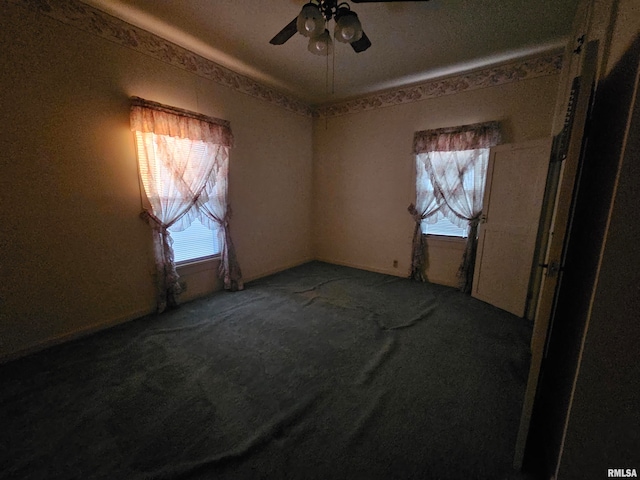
<point>318,372</point>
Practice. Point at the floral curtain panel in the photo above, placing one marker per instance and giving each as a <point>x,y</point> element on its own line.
<point>455,161</point>
<point>425,208</point>
<point>183,160</point>
<point>215,209</point>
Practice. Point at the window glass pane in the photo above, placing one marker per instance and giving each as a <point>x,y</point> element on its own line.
<point>444,227</point>
<point>196,241</point>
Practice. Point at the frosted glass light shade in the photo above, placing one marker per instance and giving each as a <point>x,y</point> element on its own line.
<point>348,28</point>
<point>310,21</point>
<point>320,45</point>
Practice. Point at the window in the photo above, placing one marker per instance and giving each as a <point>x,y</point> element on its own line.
<point>183,161</point>
<point>196,241</point>
<point>445,163</point>
<point>451,170</point>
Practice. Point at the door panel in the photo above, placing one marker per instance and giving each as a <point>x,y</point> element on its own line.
<point>503,282</point>
<point>516,179</point>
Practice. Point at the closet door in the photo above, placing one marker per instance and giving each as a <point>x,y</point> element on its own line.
<point>516,178</point>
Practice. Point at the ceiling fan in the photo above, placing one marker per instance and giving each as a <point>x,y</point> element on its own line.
<point>313,19</point>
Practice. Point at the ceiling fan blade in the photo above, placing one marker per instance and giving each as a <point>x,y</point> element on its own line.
<point>362,44</point>
<point>285,34</point>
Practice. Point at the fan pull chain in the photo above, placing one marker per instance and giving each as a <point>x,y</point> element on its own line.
<point>333,73</point>
<point>326,88</point>
<point>326,76</point>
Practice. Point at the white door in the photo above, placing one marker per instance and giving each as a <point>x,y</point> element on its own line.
<point>516,178</point>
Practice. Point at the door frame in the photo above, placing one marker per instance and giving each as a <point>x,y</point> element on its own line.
<point>577,121</point>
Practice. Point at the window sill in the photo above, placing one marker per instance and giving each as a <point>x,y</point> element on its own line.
<point>445,239</point>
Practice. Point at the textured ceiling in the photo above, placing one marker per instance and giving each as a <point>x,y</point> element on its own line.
<point>411,41</point>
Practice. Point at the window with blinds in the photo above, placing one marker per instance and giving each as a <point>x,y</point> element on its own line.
<point>443,226</point>
<point>196,242</point>
<point>158,155</point>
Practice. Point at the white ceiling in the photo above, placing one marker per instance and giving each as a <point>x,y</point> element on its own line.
<point>412,41</point>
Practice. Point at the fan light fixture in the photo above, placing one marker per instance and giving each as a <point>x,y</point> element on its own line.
<point>312,22</point>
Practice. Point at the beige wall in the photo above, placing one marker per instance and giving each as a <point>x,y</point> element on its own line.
<point>443,256</point>
<point>74,254</point>
<point>364,173</point>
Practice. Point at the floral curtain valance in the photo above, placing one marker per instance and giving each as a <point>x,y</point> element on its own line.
<point>466,137</point>
<point>152,117</point>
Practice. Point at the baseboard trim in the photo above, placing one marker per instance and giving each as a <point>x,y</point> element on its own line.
<point>278,269</point>
<point>69,336</point>
<point>441,281</point>
<point>391,271</point>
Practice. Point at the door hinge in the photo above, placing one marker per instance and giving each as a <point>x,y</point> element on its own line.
<point>579,44</point>
<point>552,268</point>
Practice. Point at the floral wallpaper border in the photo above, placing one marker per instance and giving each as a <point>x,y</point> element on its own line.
<point>96,22</point>
<point>488,77</point>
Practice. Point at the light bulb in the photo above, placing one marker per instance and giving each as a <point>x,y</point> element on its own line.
<point>320,45</point>
<point>309,25</point>
<point>347,33</point>
<point>348,28</point>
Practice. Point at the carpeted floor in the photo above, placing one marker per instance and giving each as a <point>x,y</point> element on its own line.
<point>319,372</point>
